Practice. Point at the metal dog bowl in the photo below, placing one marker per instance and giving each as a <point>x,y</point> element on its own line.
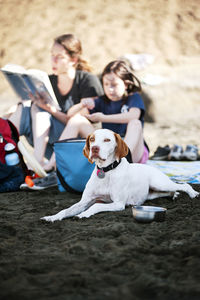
<point>147,214</point>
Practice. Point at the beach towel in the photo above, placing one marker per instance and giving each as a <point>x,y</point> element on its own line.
<point>179,171</point>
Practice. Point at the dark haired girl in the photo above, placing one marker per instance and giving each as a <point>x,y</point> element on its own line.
<point>121,109</point>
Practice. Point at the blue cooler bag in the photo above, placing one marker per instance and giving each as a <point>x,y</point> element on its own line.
<point>73,168</point>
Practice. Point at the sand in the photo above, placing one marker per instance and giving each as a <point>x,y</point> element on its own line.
<point>108,256</point>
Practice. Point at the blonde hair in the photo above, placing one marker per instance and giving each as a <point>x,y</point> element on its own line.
<point>73,47</point>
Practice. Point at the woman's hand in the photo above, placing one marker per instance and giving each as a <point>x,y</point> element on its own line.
<point>96,117</point>
<point>41,101</point>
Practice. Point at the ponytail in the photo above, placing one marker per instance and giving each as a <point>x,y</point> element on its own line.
<point>83,65</point>
<point>73,47</point>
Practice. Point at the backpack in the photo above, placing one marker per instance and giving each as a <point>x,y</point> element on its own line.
<point>9,134</point>
<point>11,178</point>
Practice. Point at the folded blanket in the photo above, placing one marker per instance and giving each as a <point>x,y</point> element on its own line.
<point>179,171</point>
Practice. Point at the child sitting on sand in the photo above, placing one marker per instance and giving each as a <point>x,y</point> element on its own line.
<point>121,109</point>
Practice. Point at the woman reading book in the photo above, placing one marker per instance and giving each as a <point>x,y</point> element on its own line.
<point>41,123</point>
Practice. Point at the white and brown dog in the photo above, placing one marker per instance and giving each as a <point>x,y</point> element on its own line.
<point>115,181</point>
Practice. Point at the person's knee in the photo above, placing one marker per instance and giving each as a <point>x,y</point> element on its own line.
<point>34,108</point>
<point>135,125</point>
<point>77,120</point>
<point>72,121</point>
<point>13,110</point>
<point>40,115</point>
<point>15,115</point>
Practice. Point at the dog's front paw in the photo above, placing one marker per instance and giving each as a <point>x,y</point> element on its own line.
<point>48,218</point>
<point>83,215</point>
<point>53,218</point>
<point>194,194</point>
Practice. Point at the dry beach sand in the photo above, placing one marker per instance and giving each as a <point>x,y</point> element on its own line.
<point>108,256</point>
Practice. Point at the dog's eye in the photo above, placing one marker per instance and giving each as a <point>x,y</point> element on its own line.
<point>106,140</point>
<point>92,139</point>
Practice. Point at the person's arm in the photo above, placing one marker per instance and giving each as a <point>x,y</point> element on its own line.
<point>133,113</point>
<point>59,115</point>
<point>40,101</point>
<point>74,110</point>
<point>90,88</point>
<point>82,107</point>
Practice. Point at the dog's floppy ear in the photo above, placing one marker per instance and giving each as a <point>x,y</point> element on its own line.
<point>86,149</point>
<point>121,149</point>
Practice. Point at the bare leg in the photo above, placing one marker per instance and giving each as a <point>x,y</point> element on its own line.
<point>134,139</point>
<point>77,125</point>
<point>40,126</point>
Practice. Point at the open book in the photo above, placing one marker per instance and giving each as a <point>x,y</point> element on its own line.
<point>29,81</point>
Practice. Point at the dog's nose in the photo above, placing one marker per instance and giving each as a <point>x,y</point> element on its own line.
<point>95,149</point>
